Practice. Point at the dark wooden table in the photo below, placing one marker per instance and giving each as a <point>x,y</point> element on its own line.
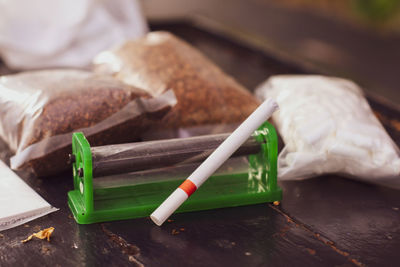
<point>326,221</point>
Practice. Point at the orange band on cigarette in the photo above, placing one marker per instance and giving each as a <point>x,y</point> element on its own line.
<point>188,186</point>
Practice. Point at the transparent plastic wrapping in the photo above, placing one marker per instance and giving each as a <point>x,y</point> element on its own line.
<point>163,160</point>
<point>328,127</point>
<point>234,165</point>
<point>40,110</point>
<point>130,157</point>
<point>161,61</point>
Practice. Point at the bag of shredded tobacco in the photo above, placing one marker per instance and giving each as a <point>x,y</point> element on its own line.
<point>328,127</point>
<point>160,61</point>
<point>40,110</point>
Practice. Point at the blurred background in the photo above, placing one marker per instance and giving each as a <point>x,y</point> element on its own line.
<point>356,39</point>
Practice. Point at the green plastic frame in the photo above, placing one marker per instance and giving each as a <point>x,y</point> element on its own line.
<point>258,185</point>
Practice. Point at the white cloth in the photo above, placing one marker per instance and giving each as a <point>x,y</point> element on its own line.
<point>64,33</point>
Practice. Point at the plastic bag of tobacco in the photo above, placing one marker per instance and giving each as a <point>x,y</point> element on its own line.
<point>40,110</point>
<point>160,61</point>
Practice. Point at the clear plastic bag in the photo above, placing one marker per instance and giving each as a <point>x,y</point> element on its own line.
<point>40,110</point>
<point>328,127</point>
<point>161,61</point>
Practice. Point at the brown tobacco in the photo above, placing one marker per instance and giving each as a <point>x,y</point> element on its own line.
<point>60,102</point>
<point>161,61</point>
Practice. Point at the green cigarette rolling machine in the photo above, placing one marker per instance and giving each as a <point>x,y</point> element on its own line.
<point>124,181</point>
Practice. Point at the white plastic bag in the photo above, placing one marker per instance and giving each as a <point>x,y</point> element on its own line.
<point>64,33</point>
<point>328,127</point>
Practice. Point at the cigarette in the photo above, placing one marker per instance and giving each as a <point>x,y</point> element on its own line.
<point>214,161</point>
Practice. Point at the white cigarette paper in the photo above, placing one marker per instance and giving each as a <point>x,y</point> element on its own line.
<point>214,161</point>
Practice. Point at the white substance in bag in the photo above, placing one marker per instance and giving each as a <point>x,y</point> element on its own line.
<point>328,127</point>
